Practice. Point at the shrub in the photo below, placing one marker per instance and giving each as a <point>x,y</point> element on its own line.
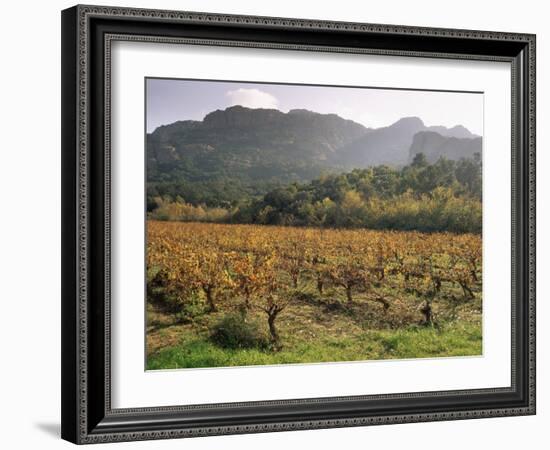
<point>239,331</point>
<point>189,310</point>
<point>184,308</point>
<point>179,210</point>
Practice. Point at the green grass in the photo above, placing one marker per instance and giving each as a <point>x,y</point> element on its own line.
<point>457,339</point>
<point>317,328</point>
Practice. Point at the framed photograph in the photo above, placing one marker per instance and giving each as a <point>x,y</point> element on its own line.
<point>280,224</point>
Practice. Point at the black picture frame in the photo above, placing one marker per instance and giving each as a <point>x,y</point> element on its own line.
<point>87,416</point>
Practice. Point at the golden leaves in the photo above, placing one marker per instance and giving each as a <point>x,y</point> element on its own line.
<point>264,264</point>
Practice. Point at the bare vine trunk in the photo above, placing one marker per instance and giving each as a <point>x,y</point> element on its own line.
<point>427,312</point>
<point>210,299</point>
<point>349,294</point>
<point>467,291</point>
<point>273,331</point>
<point>320,285</point>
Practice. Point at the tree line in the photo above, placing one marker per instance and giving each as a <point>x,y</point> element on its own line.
<point>443,196</point>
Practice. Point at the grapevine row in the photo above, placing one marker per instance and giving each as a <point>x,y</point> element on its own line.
<point>245,267</point>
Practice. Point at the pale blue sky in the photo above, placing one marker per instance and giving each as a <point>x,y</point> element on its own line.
<point>170,100</point>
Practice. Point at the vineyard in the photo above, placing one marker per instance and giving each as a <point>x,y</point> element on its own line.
<point>223,295</point>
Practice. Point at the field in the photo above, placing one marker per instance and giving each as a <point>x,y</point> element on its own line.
<point>236,295</point>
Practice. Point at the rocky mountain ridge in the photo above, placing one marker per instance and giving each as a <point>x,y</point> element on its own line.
<point>294,146</point>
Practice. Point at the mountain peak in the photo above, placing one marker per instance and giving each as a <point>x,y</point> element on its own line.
<point>301,111</point>
<point>241,108</point>
<point>435,145</point>
<point>461,131</point>
<point>458,131</point>
<point>459,127</point>
<point>408,123</point>
<point>239,116</point>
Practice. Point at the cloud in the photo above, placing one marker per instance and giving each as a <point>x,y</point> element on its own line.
<point>252,98</point>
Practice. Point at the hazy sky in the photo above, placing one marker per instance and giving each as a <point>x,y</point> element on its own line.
<point>172,100</point>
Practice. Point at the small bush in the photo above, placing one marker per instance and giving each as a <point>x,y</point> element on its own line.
<point>239,331</point>
<point>189,310</point>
